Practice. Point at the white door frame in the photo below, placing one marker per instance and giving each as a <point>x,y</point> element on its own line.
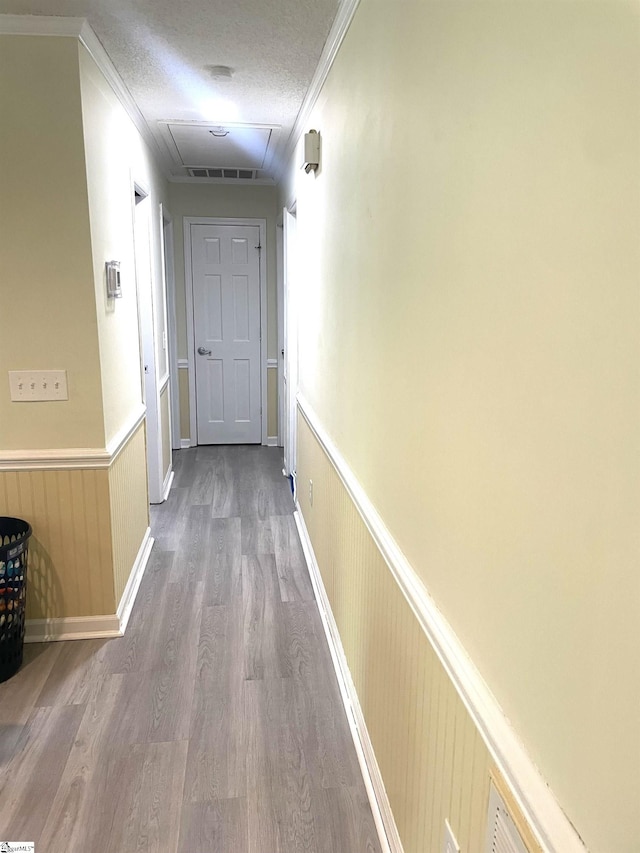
<point>165,380</point>
<point>166,234</point>
<point>280,299</point>
<point>191,346</point>
<point>142,217</point>
<point>290,327</point>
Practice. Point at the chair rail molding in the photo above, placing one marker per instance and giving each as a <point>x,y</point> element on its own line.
<point>68,458</point>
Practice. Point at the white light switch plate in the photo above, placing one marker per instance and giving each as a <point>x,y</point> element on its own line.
<point>27,386</point>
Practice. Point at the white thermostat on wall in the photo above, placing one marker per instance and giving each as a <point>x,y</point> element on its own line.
<point>114,288</point>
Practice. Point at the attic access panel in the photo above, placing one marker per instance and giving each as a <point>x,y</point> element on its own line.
<point>235,146</point>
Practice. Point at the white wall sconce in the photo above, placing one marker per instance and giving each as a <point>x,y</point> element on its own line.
<point>311,151</point>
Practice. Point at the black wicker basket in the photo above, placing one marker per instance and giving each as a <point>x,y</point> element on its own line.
<point>14,550</point>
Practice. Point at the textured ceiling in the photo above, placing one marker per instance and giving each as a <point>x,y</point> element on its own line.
<point>161,49</point>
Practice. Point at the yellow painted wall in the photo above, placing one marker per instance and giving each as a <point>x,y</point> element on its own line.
<point>47,304</point>
<point>129,505</point>
<point>469,339</point>
<point>67,161</point>
<point>117,156</point>
<point>108,134</point>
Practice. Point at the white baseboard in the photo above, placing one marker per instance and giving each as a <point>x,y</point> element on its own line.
<point>133,584</point>
<point>380,806</point>
<point>71,628</point>
<point>185,443</point>
<point>168,482</point>
<point>94,627</point>
<point>272,441</point>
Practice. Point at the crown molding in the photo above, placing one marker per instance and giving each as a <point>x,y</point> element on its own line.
<point>338,31</point>
<point>40,25</point>
<point>43,25</point>
<point>100,56</point>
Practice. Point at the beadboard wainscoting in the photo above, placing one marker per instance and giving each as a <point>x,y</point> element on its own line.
<point>429,730</point>
<point>129,508</point>
<point>70,551</point>
<point>165,424</point>
<point>272,402</point>
<point>183,389</point>
<point>91,536</point>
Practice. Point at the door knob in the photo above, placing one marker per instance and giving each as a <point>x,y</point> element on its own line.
<point>203,351</point>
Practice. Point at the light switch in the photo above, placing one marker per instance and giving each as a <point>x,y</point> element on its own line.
<point>28,386</point>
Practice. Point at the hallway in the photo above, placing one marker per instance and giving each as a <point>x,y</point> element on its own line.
<point>216,723</point>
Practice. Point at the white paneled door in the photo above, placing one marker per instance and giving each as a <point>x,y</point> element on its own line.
<point>226,322</point>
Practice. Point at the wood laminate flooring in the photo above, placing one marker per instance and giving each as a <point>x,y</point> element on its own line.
<point>215,724</point>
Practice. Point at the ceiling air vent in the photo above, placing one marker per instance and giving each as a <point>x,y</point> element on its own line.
<point>230,174</point>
